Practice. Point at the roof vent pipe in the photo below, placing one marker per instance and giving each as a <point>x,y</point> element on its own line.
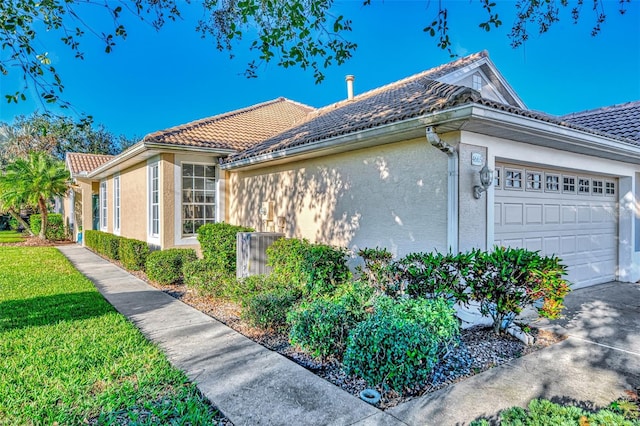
<point>349,79</point>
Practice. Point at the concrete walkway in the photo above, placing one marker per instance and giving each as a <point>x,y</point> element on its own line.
<point>252,385</point>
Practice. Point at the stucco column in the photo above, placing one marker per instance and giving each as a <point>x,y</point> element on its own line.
<point>472,220</point>
<point>86,209</point>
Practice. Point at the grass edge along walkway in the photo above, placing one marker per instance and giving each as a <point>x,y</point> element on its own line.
<point>68,357</point>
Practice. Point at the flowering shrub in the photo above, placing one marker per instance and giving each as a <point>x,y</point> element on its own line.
<point>506,280</point>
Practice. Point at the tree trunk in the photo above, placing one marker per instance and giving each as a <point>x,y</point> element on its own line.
<point>21,221</point>
<point>43,218</point>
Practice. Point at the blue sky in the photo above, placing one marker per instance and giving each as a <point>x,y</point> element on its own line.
<point>157,80</point>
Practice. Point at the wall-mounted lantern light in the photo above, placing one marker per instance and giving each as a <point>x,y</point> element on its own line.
<point>486,179</point>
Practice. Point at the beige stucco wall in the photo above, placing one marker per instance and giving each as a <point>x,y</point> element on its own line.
<point>167,200</point>
<point>472,217</point>
<point>392,196</point>
<point>133,202</point>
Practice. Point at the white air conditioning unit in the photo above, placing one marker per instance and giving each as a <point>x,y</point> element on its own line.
<point>251,249</point>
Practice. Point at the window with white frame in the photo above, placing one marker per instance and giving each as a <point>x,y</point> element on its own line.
<point>513,179</point>
<point>552,183</point>
<point>477,82</point>
<point>597,187</point>
<point>496,177</point>
<point>610,188</point>
<point>534,181</point>
<point>584,185</point>
<point>568,184</point>
<point>198,196</point>
<point>103,205</point>
<point>154,199</point>
<point>116,204</point>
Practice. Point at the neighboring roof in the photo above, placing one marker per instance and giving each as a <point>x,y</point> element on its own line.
<point>78,162</point>
<point>621,120</point>
<point>236,130</point>
<point>411,97</point>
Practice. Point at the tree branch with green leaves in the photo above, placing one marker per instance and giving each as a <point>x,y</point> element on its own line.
<point>292,33</point>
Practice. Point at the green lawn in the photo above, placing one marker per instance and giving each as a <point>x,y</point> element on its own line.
<point>10,237</point>
<point>67,356</point>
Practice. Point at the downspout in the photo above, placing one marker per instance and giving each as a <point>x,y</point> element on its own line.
<point>452,186</point>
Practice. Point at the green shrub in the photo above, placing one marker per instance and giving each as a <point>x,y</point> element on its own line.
<point>378,270</point>
<point>269,310</point>
<point>325,268</point>
<point>203,276</point>
<point>13,224</point>
<point>320,327</point>
<point>133,253</point>
<point>437,275</point>
<point>218,243</point>
<point>401,342</point>
<point>103,243</point>
<point>55,226</point>
<point>317,269</point>
<point>507,280</point>
<point>165,267</point>
<point>286,258</point>
<point>544,412</point>
<point>357,297</point>
<point>254,284</point>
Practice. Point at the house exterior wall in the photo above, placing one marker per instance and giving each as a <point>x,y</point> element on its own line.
<point>133,207</point>
<point>392,196</point>
<point>503,150</point>
<point>168,201</point>
<point>472,213</point>
<point>68,205</point>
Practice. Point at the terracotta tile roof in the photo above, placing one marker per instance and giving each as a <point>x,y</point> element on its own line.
<point>78,162</point>
<point>408,98</point>
<point>620,120</point>
<point>236,130</point>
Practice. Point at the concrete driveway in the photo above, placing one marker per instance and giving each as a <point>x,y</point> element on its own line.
<point>598,361</point>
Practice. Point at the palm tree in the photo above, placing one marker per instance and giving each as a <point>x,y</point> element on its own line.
<point>35,179</point>
<point>11,202</point>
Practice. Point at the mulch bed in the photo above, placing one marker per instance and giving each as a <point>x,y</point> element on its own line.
<point>480,348</point>
<point>37,242</point>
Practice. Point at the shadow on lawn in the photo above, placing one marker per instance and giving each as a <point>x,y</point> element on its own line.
<point>50,310</point>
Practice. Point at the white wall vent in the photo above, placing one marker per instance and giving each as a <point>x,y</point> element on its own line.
<point>251,252</point>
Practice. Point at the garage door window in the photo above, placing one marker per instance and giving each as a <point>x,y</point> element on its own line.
<point>598,187</point>
<point>496,177</point>
<point>534,181</point>
<point>569,184</point>
<point>610,188</point>
<point>584,186</point>
<point>552,183</point>
<point>513,179</point>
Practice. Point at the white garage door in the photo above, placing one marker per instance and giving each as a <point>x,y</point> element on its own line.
<point>571,215</point>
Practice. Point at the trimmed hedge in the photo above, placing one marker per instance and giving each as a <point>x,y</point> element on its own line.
<point>269,310</point>
<point>218,243</point>
<point>202,276</point>
<point>102,243</point>
<point>133,253</point>
<point>165,267</point>
<point>398,346</point>
<point>316,269</point>
<point>55,226</point>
